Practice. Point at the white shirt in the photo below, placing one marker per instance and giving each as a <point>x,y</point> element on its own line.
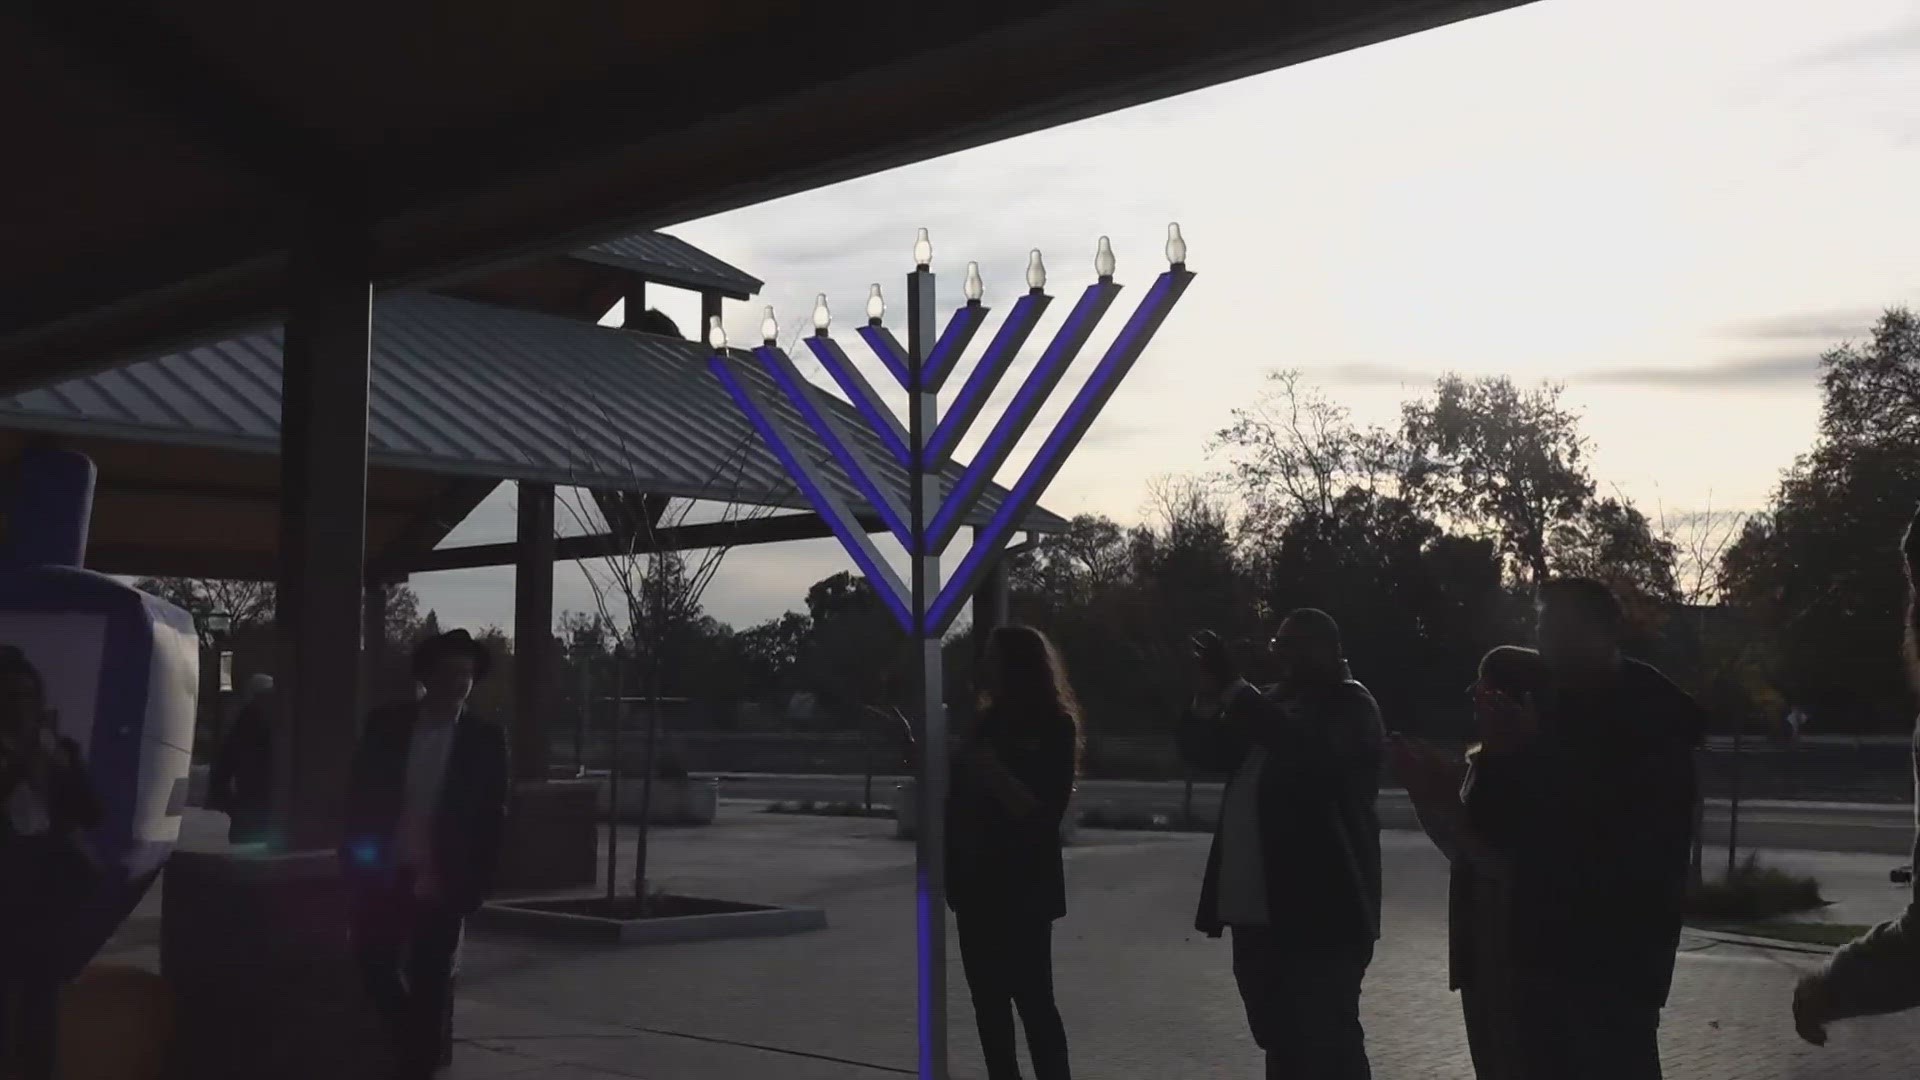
<point>427,756</point>
<point>27,811</point>
<point>1241,899</point>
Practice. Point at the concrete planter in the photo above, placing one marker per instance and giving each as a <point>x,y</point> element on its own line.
<point>673,802</point>
<point>906,814</point>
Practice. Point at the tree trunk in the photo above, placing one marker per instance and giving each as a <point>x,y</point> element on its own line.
<point>646,783</point>
<point>613,777</point>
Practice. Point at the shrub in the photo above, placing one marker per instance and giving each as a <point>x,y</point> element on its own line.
<point>1753,891</point>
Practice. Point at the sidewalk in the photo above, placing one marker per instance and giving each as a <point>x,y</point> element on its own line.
<point>1143,995</point>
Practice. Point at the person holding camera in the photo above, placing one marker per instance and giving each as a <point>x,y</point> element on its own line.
<point>1294,870</point>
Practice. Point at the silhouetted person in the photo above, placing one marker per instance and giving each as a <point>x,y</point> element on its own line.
<point>241,782</point>
<point>47,803</point>
<point>1012,780</point>
<point>1585,787</point>
<point>424,822</point>
<point>1295,865</point>
<point>1879,972</point>
<point>1480,881</point>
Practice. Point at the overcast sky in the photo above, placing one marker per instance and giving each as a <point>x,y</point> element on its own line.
<point>1673,206</point>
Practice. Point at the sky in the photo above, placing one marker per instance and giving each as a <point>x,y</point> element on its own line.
<point>1673,207</point>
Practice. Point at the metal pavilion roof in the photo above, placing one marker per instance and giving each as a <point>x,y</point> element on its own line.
<point>670,260</point>
<point>467,389</point>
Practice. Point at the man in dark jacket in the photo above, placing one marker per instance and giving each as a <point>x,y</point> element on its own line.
<point>1586,790</point>
<point>1295,865</point>
<point>424,822</point>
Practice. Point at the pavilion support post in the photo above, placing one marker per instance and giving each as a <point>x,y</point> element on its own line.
<point>253,939</point>
<point>373,638</point>
<point>709,311</point>
<point>323,483</point>
<point>636,302</point>
<point>533,631</point>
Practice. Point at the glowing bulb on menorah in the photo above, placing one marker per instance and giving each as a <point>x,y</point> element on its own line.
<point>716,337</point>
<point>923,251</point>
<point>769,327</point>
<point>1176,245</point>
<point>975,287</point>
<point>1103,260</point>
<point>876,307</point>
<point>1036,272</point>
<point>822,318</point>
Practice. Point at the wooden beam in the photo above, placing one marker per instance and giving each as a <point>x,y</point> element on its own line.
<point>772,530</point>
<point>432,523</point>
<point>533,659</point>
<point>135,561</point>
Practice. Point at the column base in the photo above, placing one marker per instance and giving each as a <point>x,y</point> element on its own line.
<point>255,949</point>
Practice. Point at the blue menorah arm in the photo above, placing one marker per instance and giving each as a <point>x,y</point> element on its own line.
<point>986,375</point>
<point>779,367</point>
<point>953,343</point>
<point>999,443</point>
<point>846,527</point>
<point>888,349</point>
<point>885,425</point>
<point>1072,427</point>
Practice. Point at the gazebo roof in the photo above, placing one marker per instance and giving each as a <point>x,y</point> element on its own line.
<point>463,395</point>
<point>670,260</point>
<point>164,157</point>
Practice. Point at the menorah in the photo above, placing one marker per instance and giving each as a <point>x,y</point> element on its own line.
<point>923,447</point>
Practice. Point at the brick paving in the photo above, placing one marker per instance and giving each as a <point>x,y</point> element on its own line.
<point>1143,996</point>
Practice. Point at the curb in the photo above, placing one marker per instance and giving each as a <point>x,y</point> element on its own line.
<point>726,924</point>
<point>1772,944</point>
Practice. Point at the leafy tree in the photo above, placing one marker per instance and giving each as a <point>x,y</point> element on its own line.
<point>248,603</point>
<point>1821,569</point>
<point>1505,461</point>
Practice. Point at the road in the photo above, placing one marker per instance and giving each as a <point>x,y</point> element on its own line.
<point>1805,826</point>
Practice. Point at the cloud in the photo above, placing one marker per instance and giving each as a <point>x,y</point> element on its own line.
<point>1785,370</point>
<point>1368,374</point>
<point>1832,326</point>
<point>1897,43</point>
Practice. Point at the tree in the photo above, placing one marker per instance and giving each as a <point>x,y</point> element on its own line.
<point>1293,454</point>
<point>1612,541</point>
<point>247,603</point>
<point>773,650</point>
<point>1507,462</point>
<point>655,594</point>
<point>1821,570</point>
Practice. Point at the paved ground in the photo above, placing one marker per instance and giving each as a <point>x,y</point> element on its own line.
<point>1142,996</point>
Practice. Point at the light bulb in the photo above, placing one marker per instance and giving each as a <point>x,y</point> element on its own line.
<point>923,250</point>
<point>876,307</point>
<point>975,287</point>
<point>1176,245</point>
<point>822,318</point>
<point>1036,272</point>
<point>716,337</point>
<point>1103,259</point>
<point>769,326</point>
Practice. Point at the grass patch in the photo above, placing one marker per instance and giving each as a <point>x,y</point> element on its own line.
<point>1810,933</point>
<point>1752,893</point>
<point>810,808</point>
<point>1106,817</point>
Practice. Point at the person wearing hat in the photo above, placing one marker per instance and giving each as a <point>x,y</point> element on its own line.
<point>424,819</point>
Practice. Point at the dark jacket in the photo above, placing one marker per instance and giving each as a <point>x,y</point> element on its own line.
<point>1595,821</point>
<point>242,775</point>
<point>43,877</point>
<point>1319,825</point>
<point>998,863</point>
<point>467,827</point>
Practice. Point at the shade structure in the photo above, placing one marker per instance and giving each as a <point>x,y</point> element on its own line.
<point>464,395</point>
<point>165,154</point>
